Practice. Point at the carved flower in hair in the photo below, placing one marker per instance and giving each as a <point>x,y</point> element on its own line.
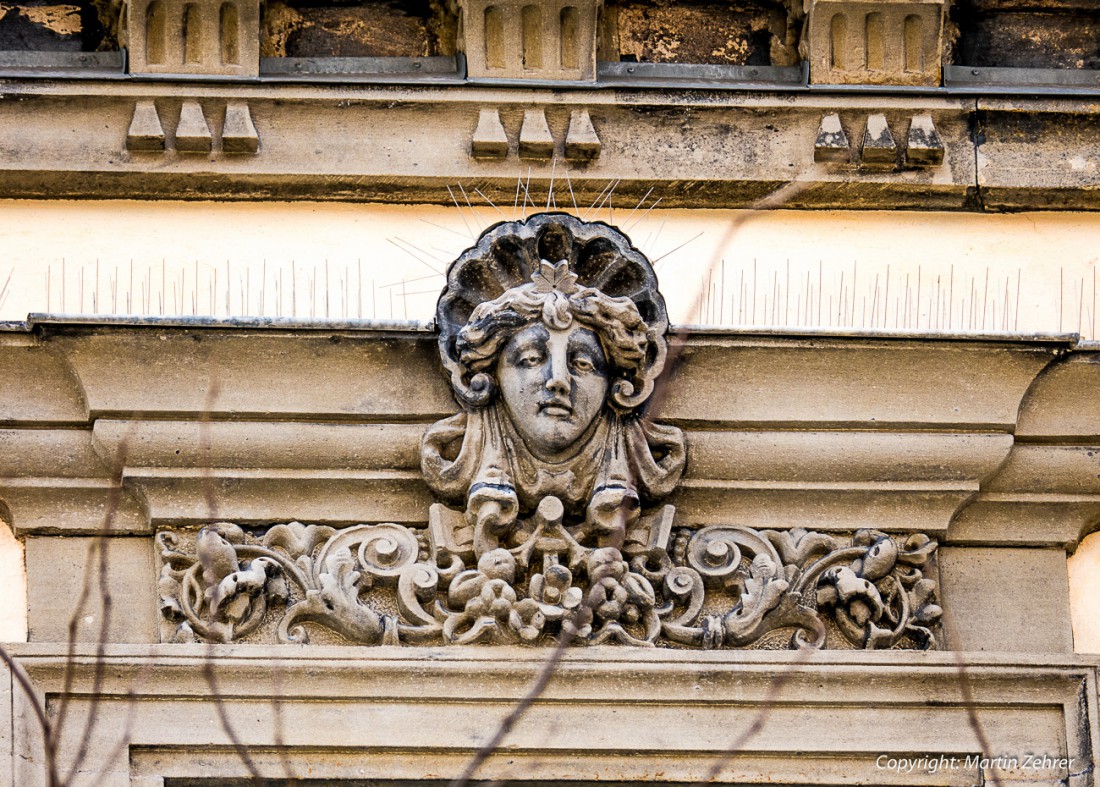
<point>555,276</point>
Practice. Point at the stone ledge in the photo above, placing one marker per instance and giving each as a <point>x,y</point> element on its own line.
<point>695,148</point>
<point>829,432</point>
<point>402,715</point>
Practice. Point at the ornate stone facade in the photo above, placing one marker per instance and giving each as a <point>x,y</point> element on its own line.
<point>839,491</point>
<point>552,333</point>
<point>981,442</point>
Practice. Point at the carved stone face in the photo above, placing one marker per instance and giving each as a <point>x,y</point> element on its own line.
<point>553,383</point>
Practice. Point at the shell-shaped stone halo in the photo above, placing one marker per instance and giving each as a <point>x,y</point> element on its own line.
<point>514,253</point>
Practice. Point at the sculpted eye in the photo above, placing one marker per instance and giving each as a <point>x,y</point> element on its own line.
<point>583,363</point>
<point>529,360</point>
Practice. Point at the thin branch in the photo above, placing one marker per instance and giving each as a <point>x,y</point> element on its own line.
<point>568,630</point>
<point>227,726</point>
<point>49,744</point>
<point>676,344</point>
<point>966,689</point>
<point>102,542</point>
<point>760,719</point>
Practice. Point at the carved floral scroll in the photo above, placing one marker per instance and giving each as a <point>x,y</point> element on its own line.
<point>551,478</point>
<point>710,588</point>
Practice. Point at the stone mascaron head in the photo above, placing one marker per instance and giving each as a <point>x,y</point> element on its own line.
<point>552,332</point>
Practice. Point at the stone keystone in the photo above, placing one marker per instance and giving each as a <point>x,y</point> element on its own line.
<point>535,140</point>
<point>924,146</point>
<point>879,147</point>
<point>831,144</point>
<point>145,132</point>
<point>581,142</point>
<point>239,134</point>
<point>192,133</point>
<point>489,140</point>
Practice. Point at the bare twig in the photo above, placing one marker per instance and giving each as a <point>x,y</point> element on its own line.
<point>98,548</point>
<point>966,689</point>
<point>762,715</point>
<point>534,691</point>
<point>227,726</point>
<point>49,744</point>
<point>676,342</point>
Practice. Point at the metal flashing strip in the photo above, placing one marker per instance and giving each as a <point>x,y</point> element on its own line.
<point>445,70</point>
<point>696,75</point>
<point>428,326</point>
<point>981,77</point>
<point>1068,339</point>
<point>276,323</point>
<point>958,80</point>
<point>96,65</point>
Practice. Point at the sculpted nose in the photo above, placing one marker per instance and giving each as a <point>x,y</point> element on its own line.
<point>557,377</point>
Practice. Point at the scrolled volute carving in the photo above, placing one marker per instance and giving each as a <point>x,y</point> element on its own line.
<point>388,584</point>
<point>552,483</point>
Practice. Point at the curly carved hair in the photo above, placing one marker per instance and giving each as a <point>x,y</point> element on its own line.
<point>616,321</point>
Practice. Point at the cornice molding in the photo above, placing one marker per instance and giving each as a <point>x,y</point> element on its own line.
<point>405,144</point>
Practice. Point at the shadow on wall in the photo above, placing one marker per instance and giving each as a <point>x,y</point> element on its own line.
<point>13,580</point>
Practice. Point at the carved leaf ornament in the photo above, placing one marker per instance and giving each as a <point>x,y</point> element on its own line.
<point>552,333</point>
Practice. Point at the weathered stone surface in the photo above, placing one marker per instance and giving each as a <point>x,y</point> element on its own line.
<point>238,132</point>
<point>77,506</point>
<point>581,141</point>
<point>225,585</point>
<point>489,140</point>
<point>1057,407</point>
<point>535,140</point>
<point>61,567</point>
<point>1013,175</point>
<point>891,42</point>
<point>742,33</point>
<point>326,463</point>
<point>832,143</point>
<point>1048,491</point>
<point>204,37</point>
<point>192,132</point>
<point>59,452</point>
<point>1006,599</point>
<point>879,148</point>
<point>383,143</point>
<point>366,378</point>
<point>924,146</point>
<point>335,711</point>
<point>146,132</point>
<point>37,384</point>
<point>42,27</point>
<point>1017,34</point>
<point>385,29</point>
<point>514,39</point>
